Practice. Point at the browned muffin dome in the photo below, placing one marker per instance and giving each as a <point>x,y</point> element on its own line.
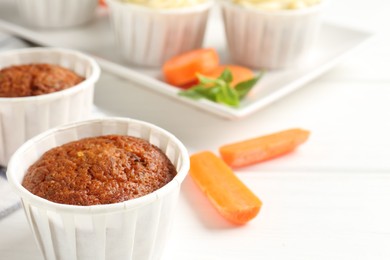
<point>99,170</point>
<point>35,79</point>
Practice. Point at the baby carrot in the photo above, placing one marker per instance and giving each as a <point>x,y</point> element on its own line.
<point>263,148</point>
<point>239,73</point>
<point>226,192</point>
<point>182,69</point>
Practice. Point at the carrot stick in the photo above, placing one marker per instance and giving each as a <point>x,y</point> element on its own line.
<point>239,73</point>
<point>263,148</point>
<point>226,192</point>
<point>182,69</point>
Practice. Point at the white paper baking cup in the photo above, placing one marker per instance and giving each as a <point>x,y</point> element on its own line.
<point>57,13</point>
<point>270,39</point>
<point>135,229</point>
<point>22,118</point>
<point>148,37</point>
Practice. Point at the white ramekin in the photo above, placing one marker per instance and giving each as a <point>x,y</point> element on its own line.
<point>148,37</point>
<point>263,39</point>
<point>23,117</point>
<point>134,229</point>
<point>57,13</point>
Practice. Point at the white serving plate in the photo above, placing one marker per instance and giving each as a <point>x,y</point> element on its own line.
<point>96,38</point>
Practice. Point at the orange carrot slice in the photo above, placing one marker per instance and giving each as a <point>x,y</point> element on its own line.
<point>182,69</point>
<point>239,73</point>
<point>262,148</point>
<point>227,193</point>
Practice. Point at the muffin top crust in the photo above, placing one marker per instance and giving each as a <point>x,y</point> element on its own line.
<point>99,170</point>
<point>276,5</point>
<point>165,4</point>
<point>35,79</point>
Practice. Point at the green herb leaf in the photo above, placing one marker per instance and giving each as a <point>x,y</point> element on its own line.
<point>208,92</point>
<point>244,87</point>
<point>206,81</point>
<point>229,96</point>
<point>219,90</point>
<point>199,91</point>
<point>226,76</point>
<point>191,93</point>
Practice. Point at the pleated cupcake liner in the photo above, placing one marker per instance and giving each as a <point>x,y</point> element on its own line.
<point>51,14</point>
<point>148,37</point>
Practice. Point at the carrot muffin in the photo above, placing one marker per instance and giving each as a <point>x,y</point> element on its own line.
<point>99,170</point>
<point>35,79</point>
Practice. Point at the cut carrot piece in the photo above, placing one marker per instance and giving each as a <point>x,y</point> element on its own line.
<point>227,193</point>
<point>239,73</point>
<point>263,148</point>
<point>182,69</point>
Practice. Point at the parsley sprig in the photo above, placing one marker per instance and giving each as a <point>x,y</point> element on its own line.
<point>219,90</point>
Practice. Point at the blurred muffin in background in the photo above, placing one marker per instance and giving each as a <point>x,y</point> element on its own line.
<point>55,14</point>
<point>271,34</point>
<point>275,5</point>
<point>149,32</point>
<point>35,79</point>
<point>42,88</point>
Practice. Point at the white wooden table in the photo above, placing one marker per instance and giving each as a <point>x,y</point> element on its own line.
<point>328,200</point>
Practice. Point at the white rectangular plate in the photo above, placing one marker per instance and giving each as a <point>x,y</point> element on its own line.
<point>95,38</point>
